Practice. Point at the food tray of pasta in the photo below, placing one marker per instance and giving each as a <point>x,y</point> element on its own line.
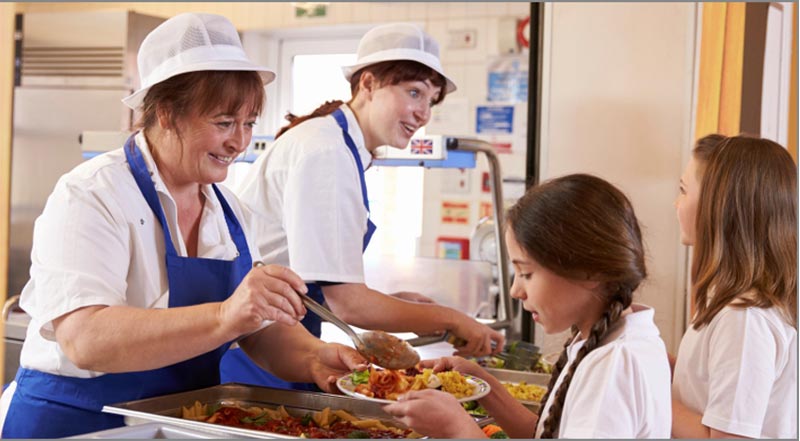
<point>260,412</point>
<point>527,387</point>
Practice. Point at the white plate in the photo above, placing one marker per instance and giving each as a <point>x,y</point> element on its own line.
<point>347,387</point>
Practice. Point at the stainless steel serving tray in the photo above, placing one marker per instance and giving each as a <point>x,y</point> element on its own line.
<point>509,376</point>
<point>167,409</point>
<point>151,431</point>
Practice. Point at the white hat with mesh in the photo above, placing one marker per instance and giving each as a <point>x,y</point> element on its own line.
<point>398,41</point>
<point>191,42</point>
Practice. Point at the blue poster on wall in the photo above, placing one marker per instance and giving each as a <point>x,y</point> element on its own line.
<point>494,119</point>
<point>508,79</point>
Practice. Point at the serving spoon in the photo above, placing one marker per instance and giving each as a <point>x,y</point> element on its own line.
<point>378,347</point>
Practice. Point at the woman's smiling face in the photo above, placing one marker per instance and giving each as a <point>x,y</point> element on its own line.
<point>397,111</point>
<point>210,144</point>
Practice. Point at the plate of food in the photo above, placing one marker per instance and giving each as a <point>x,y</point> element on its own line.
<point>385,385</point>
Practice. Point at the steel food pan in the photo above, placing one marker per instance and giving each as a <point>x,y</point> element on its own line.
<point>509,376</point>
<point>151,431</point>
<point>167,409</point>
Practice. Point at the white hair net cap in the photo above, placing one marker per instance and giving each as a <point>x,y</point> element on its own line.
<point>398,41</point>
<point>191,42</point>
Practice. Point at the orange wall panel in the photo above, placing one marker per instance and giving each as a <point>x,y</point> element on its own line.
<point>730,100</point>
<point>712,51</point>
<point>792,144</point>
<point>6,93</point>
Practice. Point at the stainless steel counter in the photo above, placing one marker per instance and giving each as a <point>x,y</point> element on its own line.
<point>460,284</point>
<point>330,333</point>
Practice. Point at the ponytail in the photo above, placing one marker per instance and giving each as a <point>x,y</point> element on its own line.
<point>323,110</point>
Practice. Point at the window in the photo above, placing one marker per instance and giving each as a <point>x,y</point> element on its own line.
<point>310,73</point>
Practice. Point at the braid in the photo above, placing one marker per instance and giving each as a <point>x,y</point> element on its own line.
<point>581,228</point>
<point>562,361</point>
<point>599,330</point>
<point>325,109</point>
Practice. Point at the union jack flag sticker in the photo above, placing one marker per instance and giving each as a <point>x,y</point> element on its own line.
<point>422,146</point>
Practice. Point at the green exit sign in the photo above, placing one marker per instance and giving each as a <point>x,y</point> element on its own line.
<point>310,10</point>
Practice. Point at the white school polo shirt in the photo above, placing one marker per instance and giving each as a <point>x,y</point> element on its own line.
<point>622,388</point>
<point>740,373</point>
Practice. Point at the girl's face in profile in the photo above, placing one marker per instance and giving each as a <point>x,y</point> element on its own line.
<point>555,302</point>
<point>686,203</point>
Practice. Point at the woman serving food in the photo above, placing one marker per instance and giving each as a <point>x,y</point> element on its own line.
<point>309,195</point>
<point>142,268</point>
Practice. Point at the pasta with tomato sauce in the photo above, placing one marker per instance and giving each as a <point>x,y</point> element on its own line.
<point>389,384</point>
<point>322,424</point>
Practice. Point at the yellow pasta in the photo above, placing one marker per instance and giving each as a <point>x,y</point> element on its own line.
<point>369,424</point>
<point>322,418</point>
<point>283,412</point>
<point>455,383</point>
<point>196,412</point>
<point>344,415</point>
<point>526,392</point>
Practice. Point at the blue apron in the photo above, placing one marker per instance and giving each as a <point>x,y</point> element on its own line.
<point>53,406</point>
<point>236,366</point>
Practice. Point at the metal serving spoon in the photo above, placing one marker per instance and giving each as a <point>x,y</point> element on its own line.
<point>378,347</point>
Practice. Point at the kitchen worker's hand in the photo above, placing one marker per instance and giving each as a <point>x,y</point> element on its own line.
<point>476,338</point>
<point>418,298</point>
<point>434,413</point>
<point>331,361</point>
<point>458,364</point>
<point>413,297</point>
<point>267,292</point>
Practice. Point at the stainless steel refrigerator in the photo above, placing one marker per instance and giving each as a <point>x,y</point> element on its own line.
<point>73,70</point>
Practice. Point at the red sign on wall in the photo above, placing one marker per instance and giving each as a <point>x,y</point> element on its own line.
<point>502,147</point>
<point>455,212</point>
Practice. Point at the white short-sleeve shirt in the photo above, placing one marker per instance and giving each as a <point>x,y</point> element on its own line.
<point>740,373</point>
<point>305,194</point>
<point>97,242</point>
<point>622,388</point>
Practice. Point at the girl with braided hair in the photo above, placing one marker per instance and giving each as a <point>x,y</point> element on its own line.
<point>736,370</point>
<point>578,256</point>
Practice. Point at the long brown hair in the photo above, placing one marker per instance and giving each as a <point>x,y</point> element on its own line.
<point>199,93</point>
<point>387,73</point>
<point>581,228</point>
<point>746,229</point>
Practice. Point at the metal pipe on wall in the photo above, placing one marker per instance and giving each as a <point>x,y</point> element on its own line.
<point>474,145</point>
